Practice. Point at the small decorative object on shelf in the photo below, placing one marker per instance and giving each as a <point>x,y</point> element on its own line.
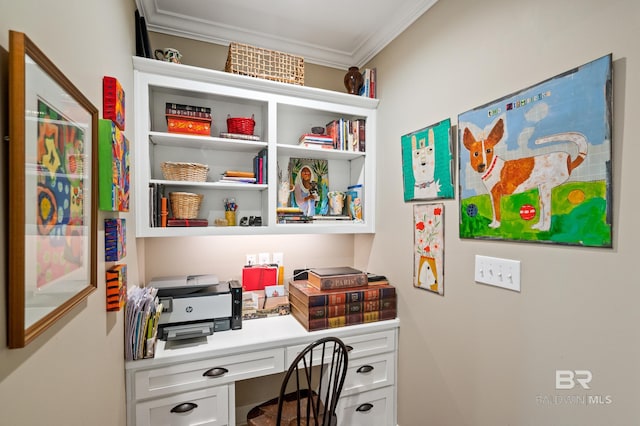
<point>188,119</point>
<point>353,81</point>
<point>168,54</point>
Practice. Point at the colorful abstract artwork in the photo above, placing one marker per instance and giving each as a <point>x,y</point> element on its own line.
<point>115,232</point>
<point>310,182</point>
<point>428,247</point>
<point>113,167</point>
<point>427,163</point>
<point>535,166</point>
<point>113,101</point>
<point>60,195</point>
<point>116,278</point>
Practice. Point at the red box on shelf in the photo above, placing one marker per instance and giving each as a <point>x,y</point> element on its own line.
<point>188,125</point>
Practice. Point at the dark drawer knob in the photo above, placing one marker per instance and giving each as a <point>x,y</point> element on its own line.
<point>215,372</point>
<point>185,407</point>
<point>364,369</point>
<point>363,408</point>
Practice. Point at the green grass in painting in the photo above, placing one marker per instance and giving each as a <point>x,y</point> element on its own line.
<point>578,216</point>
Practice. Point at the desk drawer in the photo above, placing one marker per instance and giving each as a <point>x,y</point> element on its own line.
<point>371,408</point>
<point>210,372</point>
<point>368,373</point>
<point>208,407</point>
<point>361,345</point>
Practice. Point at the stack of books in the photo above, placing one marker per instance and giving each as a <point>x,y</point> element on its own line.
<point>235,176</point>
<point>338,298</point>
<point>313,140</point>
<point>188,119</point>
<point>292,215</point>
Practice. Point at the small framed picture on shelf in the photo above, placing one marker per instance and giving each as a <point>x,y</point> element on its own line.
<point>310,182</point>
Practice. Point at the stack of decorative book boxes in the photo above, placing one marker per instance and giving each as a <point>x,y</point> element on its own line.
<point>337,297</point>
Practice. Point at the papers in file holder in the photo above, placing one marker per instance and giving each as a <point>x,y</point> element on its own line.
<point>141,322</point>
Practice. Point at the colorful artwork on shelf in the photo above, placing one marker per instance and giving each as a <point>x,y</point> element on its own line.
<point>535,165</point>
<point>113,168</point>
<point>116,278</point>
<point>310,182</point>
<point>113,101</point>
<point>427,163</point>
<point>115,247</point>
<point>428,247</point>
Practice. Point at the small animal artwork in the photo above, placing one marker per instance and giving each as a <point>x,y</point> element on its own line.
<point>535,165</point>
<point>423,162</point>
<point>505,177</point>
<point>428,250</point>
<point>428,273</point>
<point>426,163</point>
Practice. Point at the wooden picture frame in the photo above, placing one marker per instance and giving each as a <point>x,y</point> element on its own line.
<point>52,193</point>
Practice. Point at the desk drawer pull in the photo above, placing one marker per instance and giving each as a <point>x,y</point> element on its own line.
<point>364,369</point>
<point>215,372</point>
<point>363,408</point>
<point>185,407</point>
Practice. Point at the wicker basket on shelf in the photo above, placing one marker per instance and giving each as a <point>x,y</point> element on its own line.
<point>193,172</point>
<point>185,205</point>
<point>264,63</point>
<point>241,125</point>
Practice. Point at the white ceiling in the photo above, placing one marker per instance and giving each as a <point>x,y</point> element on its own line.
<point>334,33</point>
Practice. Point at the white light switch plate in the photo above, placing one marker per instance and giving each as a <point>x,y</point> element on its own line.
<point>498,272</point>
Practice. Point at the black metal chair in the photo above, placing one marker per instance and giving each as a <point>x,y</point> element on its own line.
<point>310,389</point>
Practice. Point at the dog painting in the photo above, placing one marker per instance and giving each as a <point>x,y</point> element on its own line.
<point>536,165</point>
<point>428,249</point>
<point>426,160</point>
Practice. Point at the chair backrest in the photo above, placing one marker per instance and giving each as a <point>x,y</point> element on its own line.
<point>314,382</point>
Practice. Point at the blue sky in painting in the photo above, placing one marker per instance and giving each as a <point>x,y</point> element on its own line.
<point>571,102</point>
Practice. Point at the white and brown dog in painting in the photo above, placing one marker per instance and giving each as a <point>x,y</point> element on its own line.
<point>505,177</point>
<point>423,164</point>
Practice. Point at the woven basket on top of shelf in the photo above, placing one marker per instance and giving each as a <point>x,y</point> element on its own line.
<point>264,63</point>
<point>193,172</point>
<point>185,205</point>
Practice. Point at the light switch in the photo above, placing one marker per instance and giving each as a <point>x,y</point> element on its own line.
<point>498,272</point>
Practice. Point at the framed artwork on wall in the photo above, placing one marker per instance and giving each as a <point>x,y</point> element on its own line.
<point>428,247</point>
<point>427,171</point>
<point>535,166</point>
<point>52,193</point>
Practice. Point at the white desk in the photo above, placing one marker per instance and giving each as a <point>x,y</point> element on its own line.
<point>177,375</point>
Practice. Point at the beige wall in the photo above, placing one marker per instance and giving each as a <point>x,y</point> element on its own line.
<point>478,355</point>
<point>73,374</point>
<point>481,355</point>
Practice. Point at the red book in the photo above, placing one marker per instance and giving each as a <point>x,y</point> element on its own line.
<point>187,222</point>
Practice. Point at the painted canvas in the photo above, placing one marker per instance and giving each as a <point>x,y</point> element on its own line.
<point>113,167</point>
<point>426,163</point>
<point>115,232</point>
<point>428,247</point>
<point>535,166</point>
<point>310,181</point>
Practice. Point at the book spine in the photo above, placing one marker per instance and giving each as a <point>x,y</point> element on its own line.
<point>338,282</point>
<point>344,320</point>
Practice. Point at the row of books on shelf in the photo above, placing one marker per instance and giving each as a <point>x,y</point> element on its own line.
<point>188,110</point>
<point>321,309</point>
<point>347,135</point>
<point>260,167</point>
<point>368,88</point>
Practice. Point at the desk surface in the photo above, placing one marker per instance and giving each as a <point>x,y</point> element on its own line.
<point>255,334</point>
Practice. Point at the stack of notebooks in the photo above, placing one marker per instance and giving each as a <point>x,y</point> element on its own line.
<point>338,297</point>
<point>292,215</point>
